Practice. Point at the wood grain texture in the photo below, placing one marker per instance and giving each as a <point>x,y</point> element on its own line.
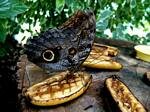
<point>92,100</point>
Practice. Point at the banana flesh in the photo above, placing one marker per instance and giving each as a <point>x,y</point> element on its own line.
<point>123,97</point>
<point>104,49</point>
<point>58,89</point>
<point>101,57</point>
<point>102,64</point>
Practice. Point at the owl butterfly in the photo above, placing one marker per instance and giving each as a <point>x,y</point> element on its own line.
<point>65,47</point>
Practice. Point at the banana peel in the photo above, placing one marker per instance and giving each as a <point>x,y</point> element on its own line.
<point>101,57</point>
<point>122,96</point>
<point>58,89</point>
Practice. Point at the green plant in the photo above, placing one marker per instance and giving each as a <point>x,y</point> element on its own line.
<point>9,9</point>
<point>113,16</point>
<point>116,16</point>
<point>9,53</point>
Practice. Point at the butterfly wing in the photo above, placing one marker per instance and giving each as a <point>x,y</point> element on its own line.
<point>65,47</point>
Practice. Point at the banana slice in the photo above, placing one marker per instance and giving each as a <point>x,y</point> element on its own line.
<point>101,58</point>
<point>122,96</point>
<point>104,50</point>
<point>58,89</point>
<point>102,64</point>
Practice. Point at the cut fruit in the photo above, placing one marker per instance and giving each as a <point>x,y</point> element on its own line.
<point>102,64</point>
<point>101,58</point>
<point>143,52</point>
<point>104,50</point>
<point>58,89</point>
<point>122,96</point>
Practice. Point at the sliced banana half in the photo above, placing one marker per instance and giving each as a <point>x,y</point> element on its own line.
<point>104,50</point>
<point>122,96</point>
<point>101,58</point>
<point>58,89</point>
<point>102,64</point>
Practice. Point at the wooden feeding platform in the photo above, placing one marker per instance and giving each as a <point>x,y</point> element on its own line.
<point>92,100</point>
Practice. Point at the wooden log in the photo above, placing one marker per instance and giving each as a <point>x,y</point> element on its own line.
<point>92,100</point>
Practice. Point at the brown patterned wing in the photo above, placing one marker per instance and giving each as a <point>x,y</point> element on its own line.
<point>66,47</point>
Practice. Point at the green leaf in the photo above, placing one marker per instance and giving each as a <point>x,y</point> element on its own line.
<point>102,25</point>
<point>11,8</point>
<point>2,52</point>
<point>119,32</point>
<point>99,2</point>
<point>69,2</point>
<point>148,35</point>
<point>103,19</point>
<point>60,5</point>
<point>77,5</point>
<point>132,3</point>
<point>105,14</point>
<point>2,31</point>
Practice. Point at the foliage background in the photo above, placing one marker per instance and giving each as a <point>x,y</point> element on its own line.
<point>115,17</point>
